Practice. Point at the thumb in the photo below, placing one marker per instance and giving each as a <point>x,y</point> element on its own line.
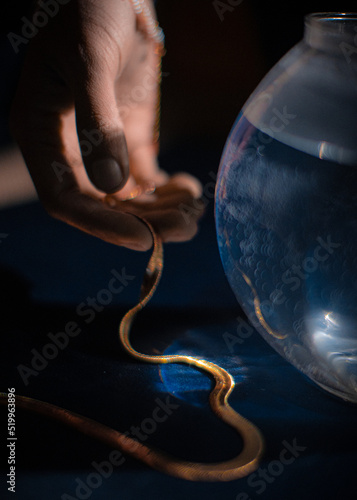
<point>100,133</point>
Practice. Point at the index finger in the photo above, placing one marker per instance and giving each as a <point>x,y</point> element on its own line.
<point>46,134</point>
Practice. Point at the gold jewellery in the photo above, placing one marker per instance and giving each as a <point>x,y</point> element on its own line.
<point>243,464</point>
<point>248,458</point>
<point>151,28</point>
<point>148,24</point>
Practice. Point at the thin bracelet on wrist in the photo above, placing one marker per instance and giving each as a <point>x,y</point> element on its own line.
<point>148,21</point>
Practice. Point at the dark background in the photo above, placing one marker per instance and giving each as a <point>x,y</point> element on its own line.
<point>47,268</point>
<point>213,65</point>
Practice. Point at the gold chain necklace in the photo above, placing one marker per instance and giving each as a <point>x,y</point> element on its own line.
<point>248,459</point>
<point>243,464</point>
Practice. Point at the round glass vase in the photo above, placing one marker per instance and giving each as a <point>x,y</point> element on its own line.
<point>286,204</point>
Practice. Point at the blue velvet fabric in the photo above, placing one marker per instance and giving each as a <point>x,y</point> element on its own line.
<point>48,270</point>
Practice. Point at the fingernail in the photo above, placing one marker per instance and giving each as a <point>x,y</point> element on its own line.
<point>106,175</point>
<point>149,187</point>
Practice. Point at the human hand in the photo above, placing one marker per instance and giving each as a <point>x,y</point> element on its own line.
<point>84,116</point>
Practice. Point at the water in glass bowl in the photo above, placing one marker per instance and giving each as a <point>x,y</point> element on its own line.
<point>287,233</point>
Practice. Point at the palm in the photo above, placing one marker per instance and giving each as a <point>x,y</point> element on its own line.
<point>100,81</point>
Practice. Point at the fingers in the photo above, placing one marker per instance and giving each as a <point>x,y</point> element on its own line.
<point>175,190</point>
<point>175,220</point>
<point>96,218</point>
<point>144,166</point>
<point>181,181</point>
<point>171,226</point>
<point>102,47</point>
<point>172,210</point>
<point>113,96</point>
<point>58,140</point>
<point>137,96</point>
<point>162,185</point>
<point>50,147</point>
<point>115,92</point>
<point>16,186</point>
<point>175,217</point>
<point>100,131</point>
